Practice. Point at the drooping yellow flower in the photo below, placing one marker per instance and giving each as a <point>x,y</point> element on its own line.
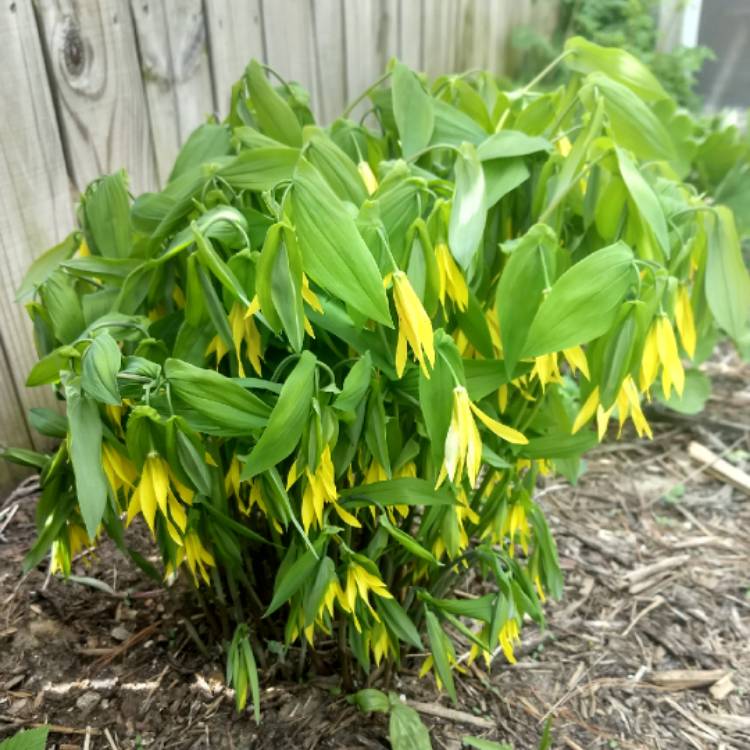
<point>463,444</point>
<point>197,556</point>
<point>661,350</point>
<point>683,317</point>
<point>414,326</point>
<point>151,492</point>
<point>628,405</point>
<point>366,173</point>
<point>672,372</point>
<point>451,280</point>
<point>83,249</point>
<point>380,642</point>
<point>320,489</point>
<point>359,582</point>
<point>154,492</point>
<point>118,468</point>
<point>509,636</point>
<point>375,473</point>
<point>243,329</point>
<point>517,526</point>
<point>576,359</point>
<point>178,297</point>
<point>62,554</point>
<point>546,369</point>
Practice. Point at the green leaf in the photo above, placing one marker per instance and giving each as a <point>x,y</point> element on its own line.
<point>334,254</point>
<point>286,289</point>
<point>436,404</point>
<point>275,117</point>
<point>223,406</point>
<point>617,64</point>
<point>27,739</point>
<point>645,199</point>
<point>205,143</point>
<point>403,491</point>
<point>468,213</point>
<point>407,542</point>
<point>560,445</point>
<point>85,445</point>
<point>583,303</point>
<point>338,170</point>
<point>261,168</point>
<point>48,422</point>
<point>412,109</point>
<point>370,699</point>
<point>523,270</point>
<point>507,143</point>
<point>694,396</point>
<point>100,365</point>
<point>210,260</point>
<point>63,306</point>
<point>105,211</point>
<point>480,744</point>
<point>501,176</point>
<point>355,385</point>
<point>406,730</point>
<point>439,648</point>
<point>252,672</point>
<point>25,457</point>
<point>727,280</point>
<point>453,127</point>
<point>633,124</point>
<point>47,369</point>
<point>287,420</point>
<point>398,621</point>
<point>290,579</point>
<point>43,266</point>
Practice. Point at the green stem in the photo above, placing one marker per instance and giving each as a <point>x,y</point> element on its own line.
<point>365,94</point>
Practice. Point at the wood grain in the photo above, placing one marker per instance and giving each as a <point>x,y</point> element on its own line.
<point>93,60</point>
<point>330,58</point>
<point>176,72</point>
<point>371,32</point>
<point>35,209</point>
<point>290,46</point>
<point>440,37</point>
<point>235,34</point>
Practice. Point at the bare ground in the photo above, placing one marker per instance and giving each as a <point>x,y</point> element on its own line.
<point>656,551</point>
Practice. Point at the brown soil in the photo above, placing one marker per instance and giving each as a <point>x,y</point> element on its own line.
<point>656,552</point>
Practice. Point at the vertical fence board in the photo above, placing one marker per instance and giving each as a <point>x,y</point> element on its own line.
<point>371,31</point>
<point>177,79</point>
<point>330,58</point>
<point>411,32</point>
<point>440,37</point>
<point>290,46</point>
<point>94,63</point>
<point>235,34</point>
<point>35,208</point>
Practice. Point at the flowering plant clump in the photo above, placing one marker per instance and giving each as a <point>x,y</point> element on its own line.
<point>323,368</point>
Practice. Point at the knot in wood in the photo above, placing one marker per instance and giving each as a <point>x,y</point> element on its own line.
<point>74,50</point>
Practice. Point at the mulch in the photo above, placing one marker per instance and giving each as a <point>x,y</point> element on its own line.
<point>648,648</point>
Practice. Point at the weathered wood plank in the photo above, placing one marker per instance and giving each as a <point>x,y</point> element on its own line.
<point>35,207</point>
<point>93,61</point>
<point>176,74</point>
<point>330,59</point>
<point>371,29</point>
<point>235,34</point>
<point>290,45</point>
<point>411,32</point>
<point>440,37</point>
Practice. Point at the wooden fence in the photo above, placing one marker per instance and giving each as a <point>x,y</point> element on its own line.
<point>89,86</point>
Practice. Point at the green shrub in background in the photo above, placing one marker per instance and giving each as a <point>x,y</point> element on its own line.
<point>322,369</point>
<point>631,25</point>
